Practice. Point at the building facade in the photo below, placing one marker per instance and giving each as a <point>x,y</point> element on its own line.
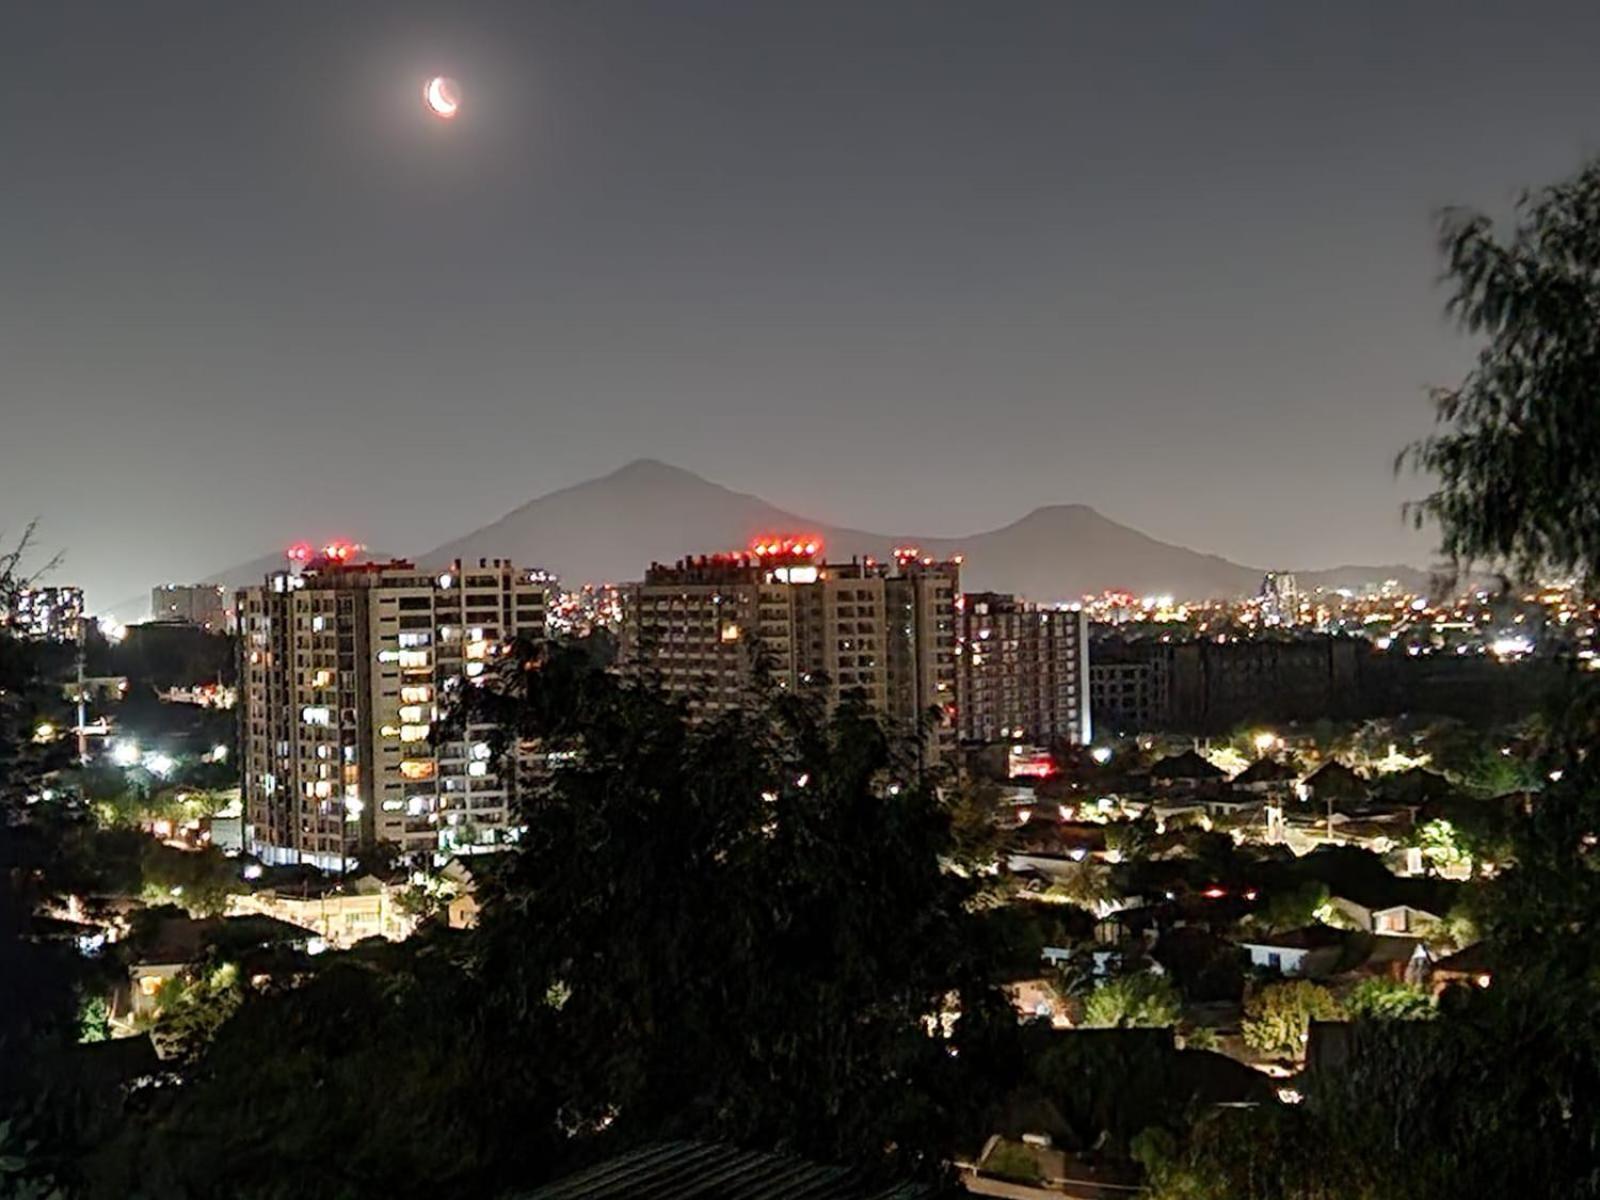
<point>53,614</point>
<point>201,604</point>
<point>1129,695</point>
<point>1023,672</point>
<point>345,669</point>
<point>884,632</point>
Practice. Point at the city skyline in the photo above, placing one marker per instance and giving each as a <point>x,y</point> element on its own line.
<point>894,268</point>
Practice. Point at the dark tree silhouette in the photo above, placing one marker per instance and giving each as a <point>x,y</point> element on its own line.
<point>1517,454</point>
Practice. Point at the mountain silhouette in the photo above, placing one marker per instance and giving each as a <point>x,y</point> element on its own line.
<point>609,529</point>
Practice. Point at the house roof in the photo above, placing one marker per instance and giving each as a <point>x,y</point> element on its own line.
<point>1392,948</point>
<point>1307,937</point>
<point>1211,1078</point>
<point>1358,875</point>
<point>1188,765</point>
<point>186,939</point>
<point>1417,786</point>
<point>1049,837</point>
<point>1335,779</point>
<point>704,1171</point>
<point>1476,959</point>
<point>1265,770</point>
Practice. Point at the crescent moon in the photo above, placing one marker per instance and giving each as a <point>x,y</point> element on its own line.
<point>439,99</point>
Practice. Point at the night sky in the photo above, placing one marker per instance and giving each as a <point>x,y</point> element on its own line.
<point>914,266</point>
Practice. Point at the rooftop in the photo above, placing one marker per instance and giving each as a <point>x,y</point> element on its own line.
<point>701,1171</point>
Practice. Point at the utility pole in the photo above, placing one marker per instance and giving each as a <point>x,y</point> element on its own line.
<point>83,719</point>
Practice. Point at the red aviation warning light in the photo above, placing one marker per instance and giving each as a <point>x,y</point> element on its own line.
<point>787,546</point>
<point>303,553</point>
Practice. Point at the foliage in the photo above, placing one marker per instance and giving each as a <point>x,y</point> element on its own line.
<point>94,1018</point>
<point>1132,840</point>
<point>1479,760</point>
<point>1442,846</point>
<point>1012,1160</point>
<point>1291,907</point>
<point>1277,1016</point>
<point>1200,1037</point>
<point>1516,462</point>
<point>1075,974</point>
<point>685,883</point>
<point>38,981</point>
<point>1087,884</point>
<point>974,810</point>
<point>1141,998</point>
<point>20,1179</point>
<point>199,880</point>
<point>1205,966</point>
<point>190,1008</point>
<point>392,1072</point>
<point>1390,1000</point>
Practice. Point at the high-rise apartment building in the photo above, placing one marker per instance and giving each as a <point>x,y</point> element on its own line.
<point>345,670</point>
<point>1023,672</point>
<point>1130,695</point>
<point>885,632</point>
<point>201,604</point>
<point>52,614</point>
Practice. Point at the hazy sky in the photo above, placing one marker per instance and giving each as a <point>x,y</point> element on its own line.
<point>916,266</point>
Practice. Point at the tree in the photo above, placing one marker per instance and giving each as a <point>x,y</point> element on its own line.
<point>743,959</point>
<point>1292,907</point>
<point>1442,845</point>
<point>38,1000</point>
<point>1132,841</point>
<point>1517,455</point>
<point>391,1070</point>
<point>200,881</point>
<point>1390,1000</point>
<point>1141,998</point>
<point>191,1007</point>
<point>1087,884</point>
<point>1277,1017</point>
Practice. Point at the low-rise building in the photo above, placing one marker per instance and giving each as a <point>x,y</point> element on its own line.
<point>202,604</point>
<point>339,912</point>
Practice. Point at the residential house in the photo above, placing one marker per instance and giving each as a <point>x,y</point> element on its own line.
<point>1271,779</point>
<point>173,944</point>
<point>1333,784</point>
<point>1471,966</point>
<point>1311,952</point>
<point>1185,771</point>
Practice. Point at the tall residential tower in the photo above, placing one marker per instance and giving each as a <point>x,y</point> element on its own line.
<point>884,632</point>
<point>345,669</point>
<point>1023,673</point>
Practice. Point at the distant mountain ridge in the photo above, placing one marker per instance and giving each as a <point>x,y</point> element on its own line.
<point>610,529</point>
